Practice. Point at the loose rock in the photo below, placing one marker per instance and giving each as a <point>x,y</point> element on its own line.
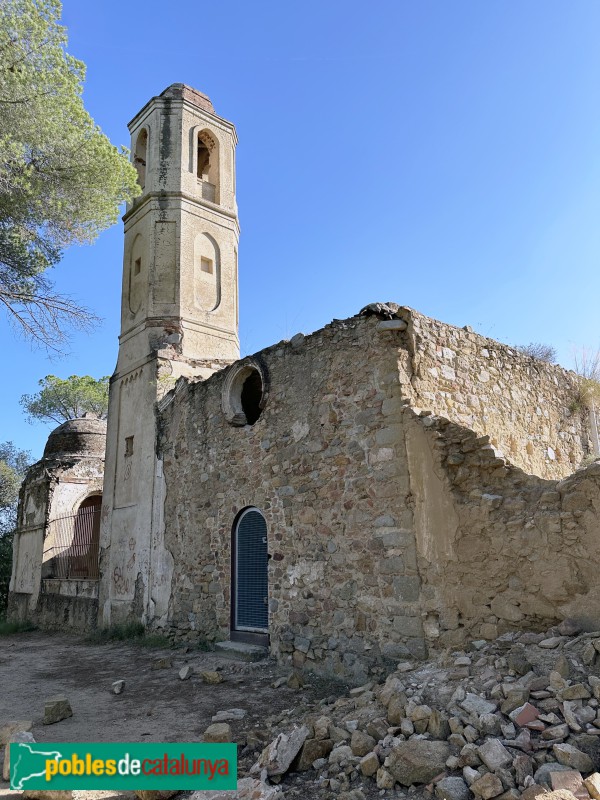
<point>217,732</point>
<point>16,726</point>
<point>162,663</point>
<point>211,676</point>
<point>417,761</point>
<point>452,789</point>
<point>312,750</point>
<point>592,784</point>
<point>369,764</point>
<point>24,737</point>
<point>488,786</point>
<point>361,743</point>
<point>230,715</point>
<point>56,709</point>
<point>277,757</point>
<point>572,757</point>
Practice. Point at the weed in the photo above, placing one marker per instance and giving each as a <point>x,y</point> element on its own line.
<point>131,632</point>
<point>7,628</point>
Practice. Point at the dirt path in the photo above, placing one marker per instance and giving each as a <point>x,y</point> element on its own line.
<point>156,706</point>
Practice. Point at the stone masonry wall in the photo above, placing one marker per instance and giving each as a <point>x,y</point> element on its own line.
<point>523,404</point>
<point>499,549</point>
<point>325,464</point>
<point>387,530</point>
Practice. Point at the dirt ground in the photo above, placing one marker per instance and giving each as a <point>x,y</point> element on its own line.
<point>156,706</point>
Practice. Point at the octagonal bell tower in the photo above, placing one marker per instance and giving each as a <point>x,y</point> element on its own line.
<point>179,317</point>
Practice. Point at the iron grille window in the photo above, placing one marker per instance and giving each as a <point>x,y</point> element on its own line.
<point>71,547</point>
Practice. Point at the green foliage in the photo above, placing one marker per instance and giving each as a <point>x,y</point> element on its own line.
<point>61,180</point>
<point>539,350</point>
<point>131,632</point>
<point>7,628</point>
<point>6,549</point>
<point>13,465</point>
<point>61,399</point>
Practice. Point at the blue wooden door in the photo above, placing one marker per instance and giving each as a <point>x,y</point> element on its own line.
<point>251,573</point>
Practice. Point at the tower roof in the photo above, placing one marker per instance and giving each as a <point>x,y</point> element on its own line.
<point>77,437</point>
<point>177,91</point>
<point>180,91</point>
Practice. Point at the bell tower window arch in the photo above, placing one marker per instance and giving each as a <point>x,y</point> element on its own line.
<point>140,156</point>
<point>206,163</point>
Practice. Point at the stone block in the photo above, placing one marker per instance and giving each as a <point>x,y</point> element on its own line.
<point>487,787</point>
<point>23,737</point>
<point>385,779</point>
<point>494,755</point>
<point>396,709</point>
<point>56,709</point>
<point>217,732</point>
<point>377,728</point>
<point>417,761</point>
<point>571,780</point>
<point>576,691</point>
<point>542,775</point>
<point>438,725</point>
<point>524,714</point>
<point>313,749</point>
<point>211,676</point>
<point>369,764</point>
<point>452,788</point>
<point>474,704</point>
<point>361,743</point>
<point>570,756</point>
<point>278,756</point>
<point>16,726</point>
<point>407,588</point>
<point>592,784</point>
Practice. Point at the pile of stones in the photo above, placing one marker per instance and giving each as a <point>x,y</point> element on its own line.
<point>507,719</point>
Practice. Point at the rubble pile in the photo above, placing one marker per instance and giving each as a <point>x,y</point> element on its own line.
<point>512,718</point>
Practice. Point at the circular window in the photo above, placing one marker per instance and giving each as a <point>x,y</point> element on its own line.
<point>244,394</point>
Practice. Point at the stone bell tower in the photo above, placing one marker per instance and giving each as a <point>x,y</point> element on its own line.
<point>179,317</point>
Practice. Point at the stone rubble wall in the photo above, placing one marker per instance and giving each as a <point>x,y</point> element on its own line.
<point>527,407</point>
<point>325,464</point>
<point>499,549</point>
<point>501,720</point>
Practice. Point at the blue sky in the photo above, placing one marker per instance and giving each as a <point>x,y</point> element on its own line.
<point>443,155</point>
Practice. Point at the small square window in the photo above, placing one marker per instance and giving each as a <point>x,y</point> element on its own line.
<point>129,445</point>
<point>137,266</point>
<point>206,265</point>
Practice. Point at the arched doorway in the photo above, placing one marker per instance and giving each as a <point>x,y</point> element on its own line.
<point>249,579</point>
<point>86,539</point>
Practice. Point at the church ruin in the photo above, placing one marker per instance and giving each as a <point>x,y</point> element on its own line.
<point>387,484</point>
